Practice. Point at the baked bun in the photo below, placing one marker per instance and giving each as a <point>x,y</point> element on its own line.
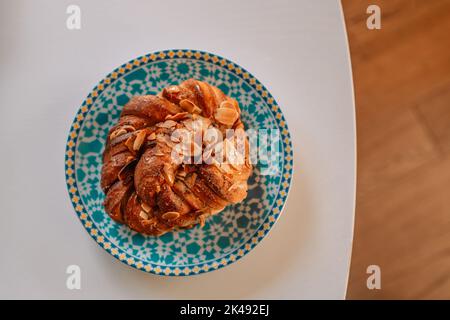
<point>157,176</point>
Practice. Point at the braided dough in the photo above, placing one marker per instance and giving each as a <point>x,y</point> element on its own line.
<point>146,187</point>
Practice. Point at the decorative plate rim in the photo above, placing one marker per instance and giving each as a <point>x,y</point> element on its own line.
<point>261,232</point>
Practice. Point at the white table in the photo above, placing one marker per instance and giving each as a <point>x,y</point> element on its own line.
<point>298,49</point>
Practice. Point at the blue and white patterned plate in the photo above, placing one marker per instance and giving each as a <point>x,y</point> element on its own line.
<point>227,236</point>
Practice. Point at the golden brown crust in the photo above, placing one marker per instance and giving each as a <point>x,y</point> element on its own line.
<point>144,186</point>
<point>116,199</point>
<point>152,109</point>
<point>112,167</point>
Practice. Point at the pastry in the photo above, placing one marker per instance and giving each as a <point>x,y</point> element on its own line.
<point>163,165</point>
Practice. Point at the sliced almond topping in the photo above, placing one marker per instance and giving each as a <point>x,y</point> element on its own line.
<point>178,116</point>
<point>168,174</point>
<point>226,116</point>
<point>143,215</point>
<point>117,133</point>
<point>165,139</point>
<point>151,136</point>
<point>146,207</point>
<point>167,124</point>
<point>189,106</point>
<point>122,130</point>
<point>230,104</point>
<point>176,139</point>
<point>171,215</point>
<point>139,140</point>
<point>130,143</point>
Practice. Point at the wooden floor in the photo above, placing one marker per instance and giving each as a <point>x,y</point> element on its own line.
<point>402,88</point>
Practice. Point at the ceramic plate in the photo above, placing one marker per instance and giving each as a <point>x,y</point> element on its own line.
<point>227,236</point>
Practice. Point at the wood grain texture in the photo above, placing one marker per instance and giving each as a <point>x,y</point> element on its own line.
<point>402,89</point>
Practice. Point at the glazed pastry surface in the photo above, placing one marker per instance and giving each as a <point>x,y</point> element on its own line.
<point>160,165</point>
